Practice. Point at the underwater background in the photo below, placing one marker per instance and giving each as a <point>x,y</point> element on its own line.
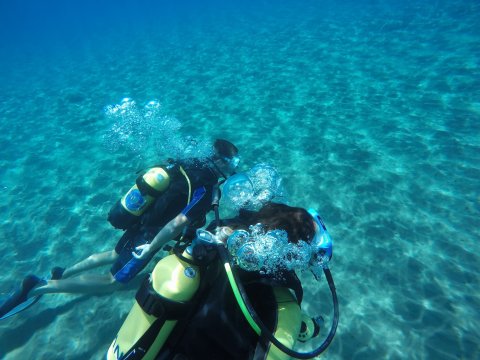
<point>370,111</point>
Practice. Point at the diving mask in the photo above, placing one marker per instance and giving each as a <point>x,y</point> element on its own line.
<point>322,242</point>
<point>232,162</point>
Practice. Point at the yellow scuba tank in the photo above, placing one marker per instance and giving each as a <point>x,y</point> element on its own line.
<point>292,324</point>
<point>288,323</point>
<point>160,302</point>
<point>133,204</point>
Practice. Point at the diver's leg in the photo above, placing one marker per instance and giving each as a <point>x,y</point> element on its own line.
<point>83,284</point>
<point>125,267</point>
<point>93,261</point>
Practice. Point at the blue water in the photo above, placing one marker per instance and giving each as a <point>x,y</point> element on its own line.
<point>370,111</point>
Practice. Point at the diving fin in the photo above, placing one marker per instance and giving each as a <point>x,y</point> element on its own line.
<point>18,300</point>
<point>21,306</point>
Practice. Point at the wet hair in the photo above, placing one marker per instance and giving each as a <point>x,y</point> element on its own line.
<point>297,222</point>
<point>225,148</point>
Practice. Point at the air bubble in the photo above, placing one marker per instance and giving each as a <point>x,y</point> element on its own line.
<point>270,252</point>
<point>148,133</point>
<point>253,189</point>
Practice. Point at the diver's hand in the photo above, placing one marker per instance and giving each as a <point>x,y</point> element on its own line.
<point>142,251</point>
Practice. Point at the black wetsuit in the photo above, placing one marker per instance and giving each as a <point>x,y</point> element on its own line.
<point>166,207</point>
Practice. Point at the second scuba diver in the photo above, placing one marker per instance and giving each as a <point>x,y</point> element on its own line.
<point>165,202</point>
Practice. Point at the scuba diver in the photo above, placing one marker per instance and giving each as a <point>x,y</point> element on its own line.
<point>167,202</point>
<point>232,291</point>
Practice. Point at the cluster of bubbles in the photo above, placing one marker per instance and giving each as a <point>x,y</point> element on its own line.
<point>148,132</point>
<point>254,188</point>
<point>270,252</point>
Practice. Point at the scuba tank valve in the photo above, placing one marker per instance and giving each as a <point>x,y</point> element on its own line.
<point>310,327</point>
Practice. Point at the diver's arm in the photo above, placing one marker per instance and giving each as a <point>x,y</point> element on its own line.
<point>171,230</point>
